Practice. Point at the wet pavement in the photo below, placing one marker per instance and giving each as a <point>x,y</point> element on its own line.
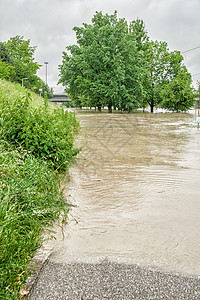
<point>113,281</point>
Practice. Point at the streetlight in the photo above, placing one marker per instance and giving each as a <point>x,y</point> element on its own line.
<point>46,63</point>
<point>23,81</point>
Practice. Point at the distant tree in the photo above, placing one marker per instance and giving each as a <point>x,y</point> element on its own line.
<point>22,55</point>
<point>105,68</point>
<point>47,90</point>
<point>178,95</point>
<point>197,94</point>
<point>163,67</point>
<point>198,88</point>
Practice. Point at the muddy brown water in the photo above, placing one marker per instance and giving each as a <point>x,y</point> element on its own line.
<point>136,187</point>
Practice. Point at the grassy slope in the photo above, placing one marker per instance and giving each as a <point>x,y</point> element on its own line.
<point>30,200</point>
<point>12,90</point>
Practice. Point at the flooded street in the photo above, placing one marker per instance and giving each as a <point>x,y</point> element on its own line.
<point>136,188</point>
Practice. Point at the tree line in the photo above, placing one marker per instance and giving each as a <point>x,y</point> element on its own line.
<point>115,64</point>
<point>17,64</point>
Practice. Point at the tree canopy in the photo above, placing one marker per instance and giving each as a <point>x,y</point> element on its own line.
<point>105,68</point>
<point>6,71</point>
<point>163,67</point>
<point>22,54</point>
<point>17,62</point>
<point>4,54</point>
<point>115,64</point>
<point>178,94</point>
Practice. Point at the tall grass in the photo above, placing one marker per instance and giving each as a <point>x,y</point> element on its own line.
<point>10,91</point>
<point>46,133</point>
<point>36,143</point>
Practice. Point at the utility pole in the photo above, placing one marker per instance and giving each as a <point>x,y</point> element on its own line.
<point>46,63</point>
<point>23,81</point>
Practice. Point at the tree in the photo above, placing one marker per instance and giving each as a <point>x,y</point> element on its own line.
<point>178,95</point>
<point>198,88</point>
<point>22,55</point>
<point>141,34</point>
<point>46,90</point>
<point>4,54</point>
<point>105,68</point>
<point>6,70</point>
<point>163,66</point>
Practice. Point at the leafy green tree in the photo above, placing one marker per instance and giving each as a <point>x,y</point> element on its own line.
<point>141,34</point>
<point>198,89</point>
<point>22,55</point>
<point>178,95</point>
<point>163,66</point>
<point>46,90</point>
<point>6,70</point>
<point>105,68</point>
<point>4,54</point>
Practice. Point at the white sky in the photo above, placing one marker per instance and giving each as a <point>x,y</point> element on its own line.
<point>48,24</point>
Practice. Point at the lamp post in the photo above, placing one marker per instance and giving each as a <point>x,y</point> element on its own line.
<point>23,81</point>
<point>46,63</point>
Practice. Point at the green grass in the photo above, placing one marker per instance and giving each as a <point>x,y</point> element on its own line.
<point>36,145</point>
<point>9,91</point>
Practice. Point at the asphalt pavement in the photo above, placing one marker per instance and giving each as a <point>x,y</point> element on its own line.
<point>110,280</point>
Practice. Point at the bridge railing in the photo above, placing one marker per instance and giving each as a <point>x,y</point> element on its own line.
<point>60,98</point>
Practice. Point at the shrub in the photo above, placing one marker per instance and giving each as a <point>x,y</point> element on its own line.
<point>47,133</point>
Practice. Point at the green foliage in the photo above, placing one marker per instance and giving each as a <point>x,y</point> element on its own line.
<point>141,35</point>
<point>4,54</point>
<point>45,89</point>
<point>30,200</point>
<point>6,71</point>
<point>163,66</point>
<point>114,64</point>
<point>46,133</point>
<point>22,54</point>
<point>105,68</point>
<point>178,95</point>
<point>198,89</point>
<point>11,91</point>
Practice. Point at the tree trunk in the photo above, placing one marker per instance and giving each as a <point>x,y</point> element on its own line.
<point>99,108</point>
<point>151,105</point>
<point>109,108</point>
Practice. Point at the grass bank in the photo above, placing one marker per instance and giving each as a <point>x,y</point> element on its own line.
<point>36,148</point>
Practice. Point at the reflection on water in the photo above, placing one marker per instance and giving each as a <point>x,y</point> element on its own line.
<point>136,185</point>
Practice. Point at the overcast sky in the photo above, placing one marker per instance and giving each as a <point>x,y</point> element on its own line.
<point>48,24</point>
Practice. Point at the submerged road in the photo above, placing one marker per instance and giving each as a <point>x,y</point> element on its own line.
<point>135,189</point>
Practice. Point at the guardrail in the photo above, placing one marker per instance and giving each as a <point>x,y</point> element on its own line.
<point>60,98</point>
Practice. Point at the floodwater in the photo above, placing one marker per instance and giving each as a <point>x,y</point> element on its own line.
<point>136,188</point>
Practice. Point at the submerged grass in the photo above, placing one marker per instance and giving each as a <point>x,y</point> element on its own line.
<point>31,198</point>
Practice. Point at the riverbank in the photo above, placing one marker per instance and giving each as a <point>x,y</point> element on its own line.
<point>111,280</point>
<point>36,146</point>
